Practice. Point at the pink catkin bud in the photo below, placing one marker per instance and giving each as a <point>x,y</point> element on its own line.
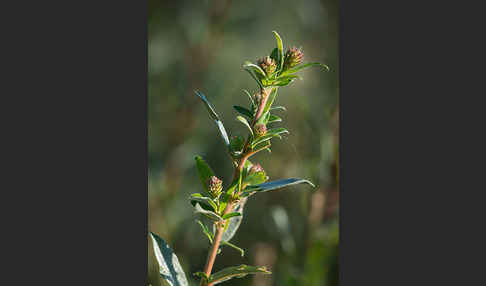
<point>215,186</point>
<point>293,57</point>
<point>268,65</point>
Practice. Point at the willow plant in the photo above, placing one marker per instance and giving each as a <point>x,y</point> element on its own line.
<point>223,207</point>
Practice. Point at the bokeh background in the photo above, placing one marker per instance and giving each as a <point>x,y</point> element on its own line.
<point>197,44</point>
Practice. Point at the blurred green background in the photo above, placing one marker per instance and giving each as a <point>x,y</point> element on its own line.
<point>195,44</point>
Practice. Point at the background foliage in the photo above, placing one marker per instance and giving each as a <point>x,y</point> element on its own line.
<point>195,44</point>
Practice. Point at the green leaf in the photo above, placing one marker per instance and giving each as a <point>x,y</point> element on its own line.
<point>206,231</point>
<point>280,49</point>
<point>275,55</point>
<point>251,98</point>
<point>236,272</point>
<point>204,172</point>
<point>244,121</point>
<point>205,200</point>
<point>274,118</point>
<point>232,214</point>
<point>274,185</point>
<point>270,100</point>
<point>255,178</point>
<point>215,116</point>
<point>303,66</point>
<point>274,132</point>
<point>256,69</point>
<point>235,222</point>
<point>202,275</point>
<point>170,268</point>
<point>278,108</point>
<point>242,252</point>
<point>209,214</point>
<point>252,74</point>
<point>244,111</point>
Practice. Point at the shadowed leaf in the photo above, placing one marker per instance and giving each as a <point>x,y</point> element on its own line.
<point>236,272</point>
<point>274,185</point>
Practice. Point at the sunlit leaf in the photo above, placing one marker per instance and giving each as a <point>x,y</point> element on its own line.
<point>280,49</point>
<point>274,132</point>
<point>274,118</point>
<point>236,272</point>
<point>255,68</point>
<point>278,108</point>
<point>270,100</point>
<point>274,185</point>
<point>214,116</point>
<point>244,121</point>
<point>170,268</point>
<point>255,178</point>
<point>303,66</point>
<point>250,97</point>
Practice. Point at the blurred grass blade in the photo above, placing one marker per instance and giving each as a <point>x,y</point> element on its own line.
<point>170,268</point>
<point>236,272</point>
<point>214,116</point>
<point>274,185</point>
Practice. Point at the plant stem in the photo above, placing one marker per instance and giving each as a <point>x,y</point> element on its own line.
<point>213,251</point>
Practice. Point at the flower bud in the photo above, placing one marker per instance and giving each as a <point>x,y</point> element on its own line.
<point>260,130</point>
<point>268,65</point>
<point>256,168</point>
<point>215,186</point>
<point>293,57</point>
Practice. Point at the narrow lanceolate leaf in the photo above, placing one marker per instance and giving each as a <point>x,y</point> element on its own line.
<point>236,272</point>
<point>244,121</point>
<point>256,69</point>
<point>206,231</point>
<point>214,116</point>
<point>274,185</point>
<point>252,74</point>
<point>209,214</point>
<point>170,268</point>
<point>244,111</point>
<point>204,200</point>
<point>204,172</point>
<point>232,214</point>
<point>270,100</point>
<point>280,50</point>
<point>242,252</point>
<point>278,108</point>
<point>274,118</point>
<point>274,132</point>
<point>250,97</point>
<point>303,66</point>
